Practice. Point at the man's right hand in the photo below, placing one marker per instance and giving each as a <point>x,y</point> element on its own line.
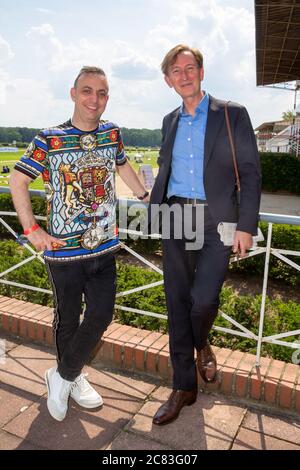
<point>41,240</point>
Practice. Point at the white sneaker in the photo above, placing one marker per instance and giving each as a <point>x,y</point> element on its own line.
<point>58,394</point>
<point>84,394</point>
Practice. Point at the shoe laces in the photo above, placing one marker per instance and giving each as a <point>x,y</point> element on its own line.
<point>81,383</point>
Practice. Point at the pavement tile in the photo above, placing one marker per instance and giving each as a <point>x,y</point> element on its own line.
<point>280,427</point>
<point>252,440</point>
<point>25,366</point>
<point>9,341</point>
<point>13,402</point>
<point>130,441</point>
<point>133,385</point>
<point>211,423</point>
<point>10,442</point>
<point>81,429</point>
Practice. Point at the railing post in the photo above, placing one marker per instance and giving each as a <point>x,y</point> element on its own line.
<point>264,293</point>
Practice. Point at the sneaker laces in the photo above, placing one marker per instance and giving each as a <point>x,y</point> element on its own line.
<point>81,383</point>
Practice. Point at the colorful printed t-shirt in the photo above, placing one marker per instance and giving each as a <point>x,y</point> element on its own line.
<point>78,170</point>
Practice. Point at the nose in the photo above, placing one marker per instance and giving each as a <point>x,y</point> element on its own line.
<point>184,74</point>
<point>93,98</point>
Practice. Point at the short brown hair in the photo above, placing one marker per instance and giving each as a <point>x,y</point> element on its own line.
<point>171,56</point>
<point>88,69</point>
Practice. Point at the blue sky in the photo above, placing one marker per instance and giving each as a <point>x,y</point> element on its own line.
<point>43,44</point>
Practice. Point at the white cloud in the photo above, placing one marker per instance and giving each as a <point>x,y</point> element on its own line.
<point>131,65</point>
<point>3,86</point>
<point>6,52</point>
<point>57,55</point>
<point>29,102</point>
<point>129,43</point>
<point>45,11</point>
<point>129,69</point>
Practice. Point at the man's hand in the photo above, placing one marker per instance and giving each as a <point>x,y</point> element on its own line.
<point>41,240</point>
<point>146,199</point>
<point>242,242</point>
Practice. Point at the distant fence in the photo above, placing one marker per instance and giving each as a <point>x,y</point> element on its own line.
<point>9,149</point>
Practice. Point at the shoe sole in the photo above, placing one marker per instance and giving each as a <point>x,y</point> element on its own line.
<point>48,391</point>
<point>84,407</point>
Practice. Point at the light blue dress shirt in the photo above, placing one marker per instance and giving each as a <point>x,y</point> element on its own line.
<point>186,179</point>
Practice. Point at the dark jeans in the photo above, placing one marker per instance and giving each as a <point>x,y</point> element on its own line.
<point>75,341</point>
<point>193,281</point>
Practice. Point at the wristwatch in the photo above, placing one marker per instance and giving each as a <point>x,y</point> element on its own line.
<point>140,198</point>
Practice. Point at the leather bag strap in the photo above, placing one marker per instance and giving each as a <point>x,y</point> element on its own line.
<point>237,176</point>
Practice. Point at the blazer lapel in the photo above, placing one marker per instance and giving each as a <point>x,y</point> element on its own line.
<point>215,119</point>
<point>171,134</point>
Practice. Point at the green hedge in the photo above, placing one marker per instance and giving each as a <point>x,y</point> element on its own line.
<point>283,236</point>
<point>280,316</point>
<point>280,172</point>
<point>286,237</point>
<point>6,205</point>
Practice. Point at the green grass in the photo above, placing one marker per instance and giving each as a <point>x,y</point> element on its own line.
<point>149,157</point>
<point>10,159</point>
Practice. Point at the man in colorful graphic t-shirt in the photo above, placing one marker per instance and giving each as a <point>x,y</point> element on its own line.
<point>77,161</point>
<point>78,169</point>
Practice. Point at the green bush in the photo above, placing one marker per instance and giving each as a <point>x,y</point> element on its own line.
<point>149,300</point>
<point>32,273</point>
<point>279,316</point>
<point>6,205</point>
<point>285,237</point>
<point>280,171</point>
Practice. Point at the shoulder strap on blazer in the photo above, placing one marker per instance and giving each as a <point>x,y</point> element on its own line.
<point>237,176</point>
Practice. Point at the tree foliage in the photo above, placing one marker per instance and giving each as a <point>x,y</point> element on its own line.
<point>131,137</point>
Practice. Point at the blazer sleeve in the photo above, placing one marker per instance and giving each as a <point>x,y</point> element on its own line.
<point>250,173</point>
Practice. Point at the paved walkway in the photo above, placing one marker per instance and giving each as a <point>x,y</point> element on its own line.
<point>280,204</point>
<point>125,421</point>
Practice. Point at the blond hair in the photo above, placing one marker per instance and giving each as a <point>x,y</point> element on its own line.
<point>171,56</point>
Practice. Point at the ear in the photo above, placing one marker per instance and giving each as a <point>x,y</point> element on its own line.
<point>72,93</point>
<point>201,73</point>
<point>168,81</point>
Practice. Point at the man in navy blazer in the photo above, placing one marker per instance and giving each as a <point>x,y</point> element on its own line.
<point>196,170</point>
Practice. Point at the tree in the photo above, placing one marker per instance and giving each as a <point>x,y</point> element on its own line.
<point>288,116</point>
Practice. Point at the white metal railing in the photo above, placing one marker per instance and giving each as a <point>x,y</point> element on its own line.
<point>240,329</point>
<point>295,139</point>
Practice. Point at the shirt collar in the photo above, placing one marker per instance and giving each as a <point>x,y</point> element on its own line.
<point>201,108</point>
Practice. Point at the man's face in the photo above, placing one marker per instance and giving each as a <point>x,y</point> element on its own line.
<point>185,76</point>
<point>90,97</point>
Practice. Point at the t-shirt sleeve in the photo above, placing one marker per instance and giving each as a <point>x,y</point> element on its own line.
<point>121,158</point>
<point>34,161</point>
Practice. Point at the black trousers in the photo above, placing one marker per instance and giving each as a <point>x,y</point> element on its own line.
<point>193,281</point>
<point>75,341</point>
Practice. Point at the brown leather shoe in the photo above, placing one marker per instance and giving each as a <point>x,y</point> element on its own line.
<point>170,410</point>
<point>207,364</point>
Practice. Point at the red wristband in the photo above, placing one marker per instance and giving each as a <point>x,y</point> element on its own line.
<point>31,229</point>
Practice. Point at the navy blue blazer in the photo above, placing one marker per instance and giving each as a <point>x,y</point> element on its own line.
<point>219,175</point>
